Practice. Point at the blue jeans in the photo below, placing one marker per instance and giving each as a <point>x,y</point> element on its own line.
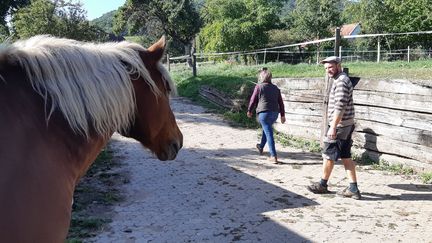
<point>267,118</point>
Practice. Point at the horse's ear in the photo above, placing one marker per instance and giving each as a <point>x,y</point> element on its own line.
<point>156,51</point>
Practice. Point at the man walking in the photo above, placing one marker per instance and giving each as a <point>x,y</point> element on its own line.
<point>337,141</point>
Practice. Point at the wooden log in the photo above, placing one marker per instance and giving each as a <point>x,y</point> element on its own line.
<point>410,102</point>
<point>389,146</point>
<point>393,159</point>
<point>215,96</point>
<point>299,84</point>
<point>398,86</point>
<point>408,119</point>
<point>315,120</point>
<point>403,134</point>
<point>298,131</point>
<point>313,109</point>
<point>306,96</point>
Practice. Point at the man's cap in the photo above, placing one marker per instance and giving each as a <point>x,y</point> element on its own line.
<point>332,59</point>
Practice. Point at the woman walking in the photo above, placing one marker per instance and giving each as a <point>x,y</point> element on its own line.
<point>267,99</point>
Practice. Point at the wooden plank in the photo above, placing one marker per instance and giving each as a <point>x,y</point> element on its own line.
<point>403,134</point>
<point>316,120</point>
<point>389,146</point>
<point>303,108</point>
<point>408,119</point>
<point>307,96</point>
<point>411,102</point>
<point>394,86</point>
<point>215,96</point>
<point>298,131</point>
<point>394,160</point>
<point>298,83</point>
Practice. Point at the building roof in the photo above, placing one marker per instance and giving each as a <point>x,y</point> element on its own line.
<point>348,29</point>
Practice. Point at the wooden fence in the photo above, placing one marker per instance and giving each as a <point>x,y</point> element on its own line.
<point>393,117</point>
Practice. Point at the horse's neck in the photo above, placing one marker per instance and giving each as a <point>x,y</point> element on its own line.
<point>39,164</point>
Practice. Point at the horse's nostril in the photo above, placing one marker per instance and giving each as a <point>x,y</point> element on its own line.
<point>175,146</point>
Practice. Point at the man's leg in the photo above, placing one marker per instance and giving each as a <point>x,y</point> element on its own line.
<point>352,190</point>
<point>327,168</point>
<point>350,165</point>
<point>321,186</point>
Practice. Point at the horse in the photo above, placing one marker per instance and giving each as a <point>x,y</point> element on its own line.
<point>60,102</point>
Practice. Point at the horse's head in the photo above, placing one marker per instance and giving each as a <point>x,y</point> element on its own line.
<point>154,124</point>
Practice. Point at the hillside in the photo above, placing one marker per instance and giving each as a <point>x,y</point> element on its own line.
<point>105,21</point>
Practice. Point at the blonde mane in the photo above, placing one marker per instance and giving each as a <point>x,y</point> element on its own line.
<point>89,83</point>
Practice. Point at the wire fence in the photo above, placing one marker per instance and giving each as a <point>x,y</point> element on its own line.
<point>309,57</point>
<point>296,53</point>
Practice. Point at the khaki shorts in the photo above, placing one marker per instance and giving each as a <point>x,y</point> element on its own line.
<point>341,146</point>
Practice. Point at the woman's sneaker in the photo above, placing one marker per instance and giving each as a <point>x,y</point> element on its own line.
<point>273,159</point>
<point>317,188</point>
<point>260,150</point>
<point>347,193</point>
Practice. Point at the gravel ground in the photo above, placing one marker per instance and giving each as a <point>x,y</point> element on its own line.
<point>220,190</point>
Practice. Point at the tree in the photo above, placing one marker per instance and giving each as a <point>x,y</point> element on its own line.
<point>7,9</point>
<point>176,18</point>
<point>59,18</point>
<point>395,16</point>
<point>314,19</point>
<point>105,21</point>
<point>238,25</point>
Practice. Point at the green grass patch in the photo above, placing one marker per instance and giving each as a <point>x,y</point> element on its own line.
<point>398,169</point>
<point>95,192</point>
<point>295,142</point>
<point>241,119</point>
<point>87,227</point>
<point>419,70</point>
<point>426,177</point>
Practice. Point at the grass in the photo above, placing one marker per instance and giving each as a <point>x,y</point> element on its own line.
<point>426,177</point>
<point>398,169</point>
<point>295,142</point>
<point>96,191</point>
<point>419,70</point>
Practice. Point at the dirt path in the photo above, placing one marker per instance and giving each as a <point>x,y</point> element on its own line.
<point>220,190</point>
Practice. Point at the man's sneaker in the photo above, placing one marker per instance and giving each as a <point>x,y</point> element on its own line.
<point>347,193</point>
<point>317,188</point>
<point>260,150</point>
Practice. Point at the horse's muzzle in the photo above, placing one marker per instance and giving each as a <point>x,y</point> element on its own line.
<point>171,150</point>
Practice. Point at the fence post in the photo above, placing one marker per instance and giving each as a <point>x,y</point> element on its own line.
<point>324,123</point>
<point>193,56</point>
<point>340,52</point>
<point>337,42</point>
<point>408,54</point>
<point>265,55</point>
<point>378,50</point>
<point>168,62</point>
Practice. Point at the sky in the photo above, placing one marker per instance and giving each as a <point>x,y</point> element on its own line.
<point>96,8</point>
